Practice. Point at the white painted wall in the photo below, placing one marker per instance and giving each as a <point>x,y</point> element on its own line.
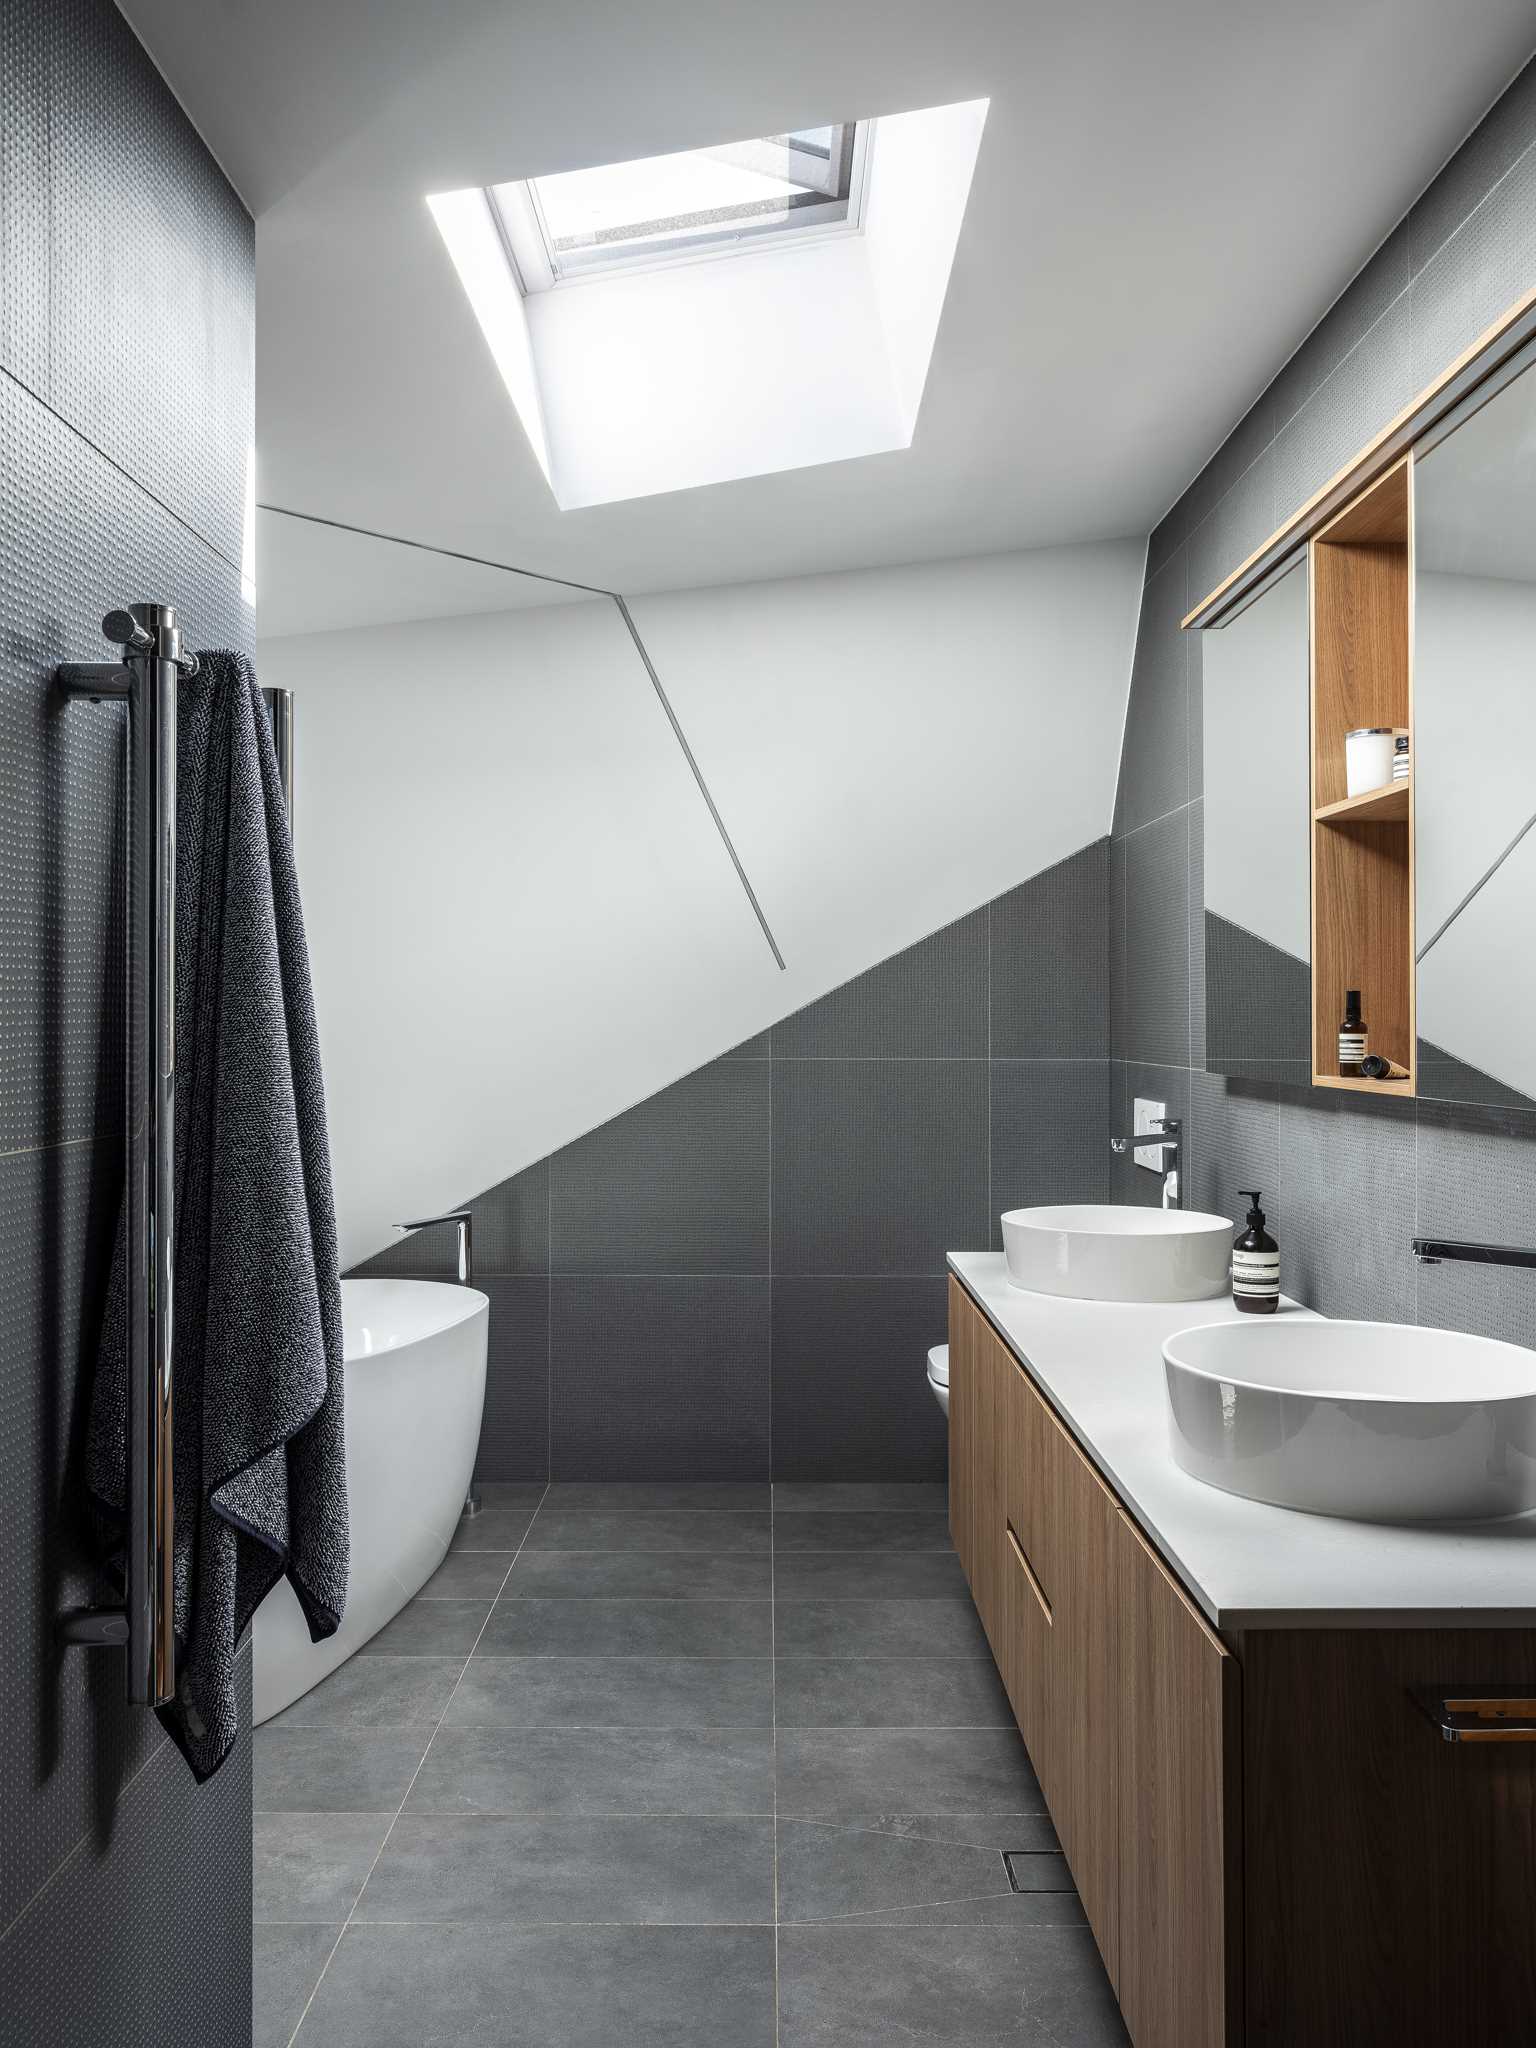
<point>521,920</point>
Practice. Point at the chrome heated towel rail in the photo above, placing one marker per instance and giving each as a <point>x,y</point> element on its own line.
<point>152,659</point>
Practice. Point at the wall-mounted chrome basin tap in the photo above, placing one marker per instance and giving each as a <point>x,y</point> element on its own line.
<point>1166,1133</point>
<point>466,1226</point>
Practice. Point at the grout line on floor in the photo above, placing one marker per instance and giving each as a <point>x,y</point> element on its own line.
<point>421,1760</point>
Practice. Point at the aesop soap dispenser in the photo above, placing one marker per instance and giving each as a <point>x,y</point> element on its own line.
<point>1352,1034</point>
<point>1255,1264</point>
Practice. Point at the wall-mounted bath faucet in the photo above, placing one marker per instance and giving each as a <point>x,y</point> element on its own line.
<point>1429,1251</point>
<point>1164,1132</point>
<point>466,1223</point>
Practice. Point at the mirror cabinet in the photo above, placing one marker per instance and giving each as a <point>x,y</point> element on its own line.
<point>1369,686</point>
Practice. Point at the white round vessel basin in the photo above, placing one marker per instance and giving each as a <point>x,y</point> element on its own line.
<point>1381,1422</point>
<point>1098,1252</point>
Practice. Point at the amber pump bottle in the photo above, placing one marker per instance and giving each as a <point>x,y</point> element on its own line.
<point>1353,1037</point>
<point>1255,1264</point>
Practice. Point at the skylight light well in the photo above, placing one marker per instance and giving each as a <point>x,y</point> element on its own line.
<point>690,204</point>
<point>640,361</point>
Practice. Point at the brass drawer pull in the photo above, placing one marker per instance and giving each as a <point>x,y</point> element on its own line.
<point>1490,1713</point>
<point>1022,1561</point>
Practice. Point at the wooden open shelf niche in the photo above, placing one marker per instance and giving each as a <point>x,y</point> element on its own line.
<point>1362,847</point>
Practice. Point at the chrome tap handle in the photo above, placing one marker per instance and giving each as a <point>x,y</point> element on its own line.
<point>464,1218</point>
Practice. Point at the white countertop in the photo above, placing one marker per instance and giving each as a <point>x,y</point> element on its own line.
<point>1246,1565</point>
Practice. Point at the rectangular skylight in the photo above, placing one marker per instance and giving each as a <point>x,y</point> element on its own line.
<point>696,202</point>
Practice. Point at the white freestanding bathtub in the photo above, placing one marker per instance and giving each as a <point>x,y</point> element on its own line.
<point>415,1389</point>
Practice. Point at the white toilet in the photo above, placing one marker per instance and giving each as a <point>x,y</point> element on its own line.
<point>938,1375</point>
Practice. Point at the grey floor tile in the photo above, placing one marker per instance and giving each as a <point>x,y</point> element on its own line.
<point>614,1692</point>
<point>637,1872</point>
<point>638,1575</point>
<point>492,1529</point>
<point>828,1873</point>
<point>594,1771</point>
<point>858,1575</point>
<point>547,1987</point>
<point>836,1772</point>
<point>286,1965</point>
<point>430,1628</point>
<point>889,1692</point>
<point>503,1494</point>
<point>890,1531</point>
<point>630,1628</point>
<point>877,1628</point>
<point>699,1495</point>
<point>965,1987</point>
<point>308,1770</point>
<point>824,1496</point>
<point>377,1693</point>
<point>311,1866</point>
<point>649,1529</point>
<point>467,1575</point>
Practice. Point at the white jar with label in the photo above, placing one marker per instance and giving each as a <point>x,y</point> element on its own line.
<point>1368,758</point>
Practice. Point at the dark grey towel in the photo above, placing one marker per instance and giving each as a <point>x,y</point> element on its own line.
<point>260,1477</point>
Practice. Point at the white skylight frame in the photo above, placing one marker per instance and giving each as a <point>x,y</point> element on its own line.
<point>538,265</point>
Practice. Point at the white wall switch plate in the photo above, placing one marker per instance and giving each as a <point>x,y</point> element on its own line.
<point>1145,1118</point>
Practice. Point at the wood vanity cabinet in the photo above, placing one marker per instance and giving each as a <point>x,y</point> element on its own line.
<point>1274,1846</point>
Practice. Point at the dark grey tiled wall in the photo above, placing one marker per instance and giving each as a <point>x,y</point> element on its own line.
<point>741,1277</point>
<point>1347,1181</point>
<point>126,310</point>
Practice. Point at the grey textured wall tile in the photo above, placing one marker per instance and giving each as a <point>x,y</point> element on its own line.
<point>1382,280</point>
<point>1474,276</point>
<point>1157,942</point>
<point>1049,1143</point>
<point>164,385</point>
<point>1491,150</point>
<point>24,198</point>
<point>1197,934</point>
<point>1170,534</point>
<point>1117,976</point>
<point>1477,1180</point>
<point>1195,717</point>
<point>1234,1143</point>
<point>659,1378</point>
<point>1050,962</point>
<point>879,1166</point>
<point>1154,762</point>
<point>1236,455</point>
<point>850,1389</point>
<point>1347,1192</point>
<point>514,1432</point>
<point>929,1002</point>
<point>512,1224</point>
<point>679,1184</point>
<point>757,1048</point>
<point>106,200</point>
<point>1258,1004</point>
<point>1241,521</point>
<point>1372,383</point>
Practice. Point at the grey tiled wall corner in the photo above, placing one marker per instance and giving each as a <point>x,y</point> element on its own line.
<point>126,299</point>
<point>1348,1182</point>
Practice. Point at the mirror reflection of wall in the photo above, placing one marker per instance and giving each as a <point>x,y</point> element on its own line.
<point>1475,753</point>
<point>1257,835</point>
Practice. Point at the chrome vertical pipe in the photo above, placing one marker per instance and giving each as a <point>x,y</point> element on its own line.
<point>152,722</point>
<point>152,660</point>
<point>279,705</point>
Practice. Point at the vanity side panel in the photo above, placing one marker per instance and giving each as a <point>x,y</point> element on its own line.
<point>963,1326</point>
<point>1389,1875</point>
<point>1181,1815</point>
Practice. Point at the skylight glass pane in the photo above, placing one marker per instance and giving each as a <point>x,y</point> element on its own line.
<point>659,206</point>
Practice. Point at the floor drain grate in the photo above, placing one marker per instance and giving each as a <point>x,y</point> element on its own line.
<point>1037,1870</point>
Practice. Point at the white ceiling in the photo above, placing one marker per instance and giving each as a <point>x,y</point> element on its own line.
<point>1167,199</point>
